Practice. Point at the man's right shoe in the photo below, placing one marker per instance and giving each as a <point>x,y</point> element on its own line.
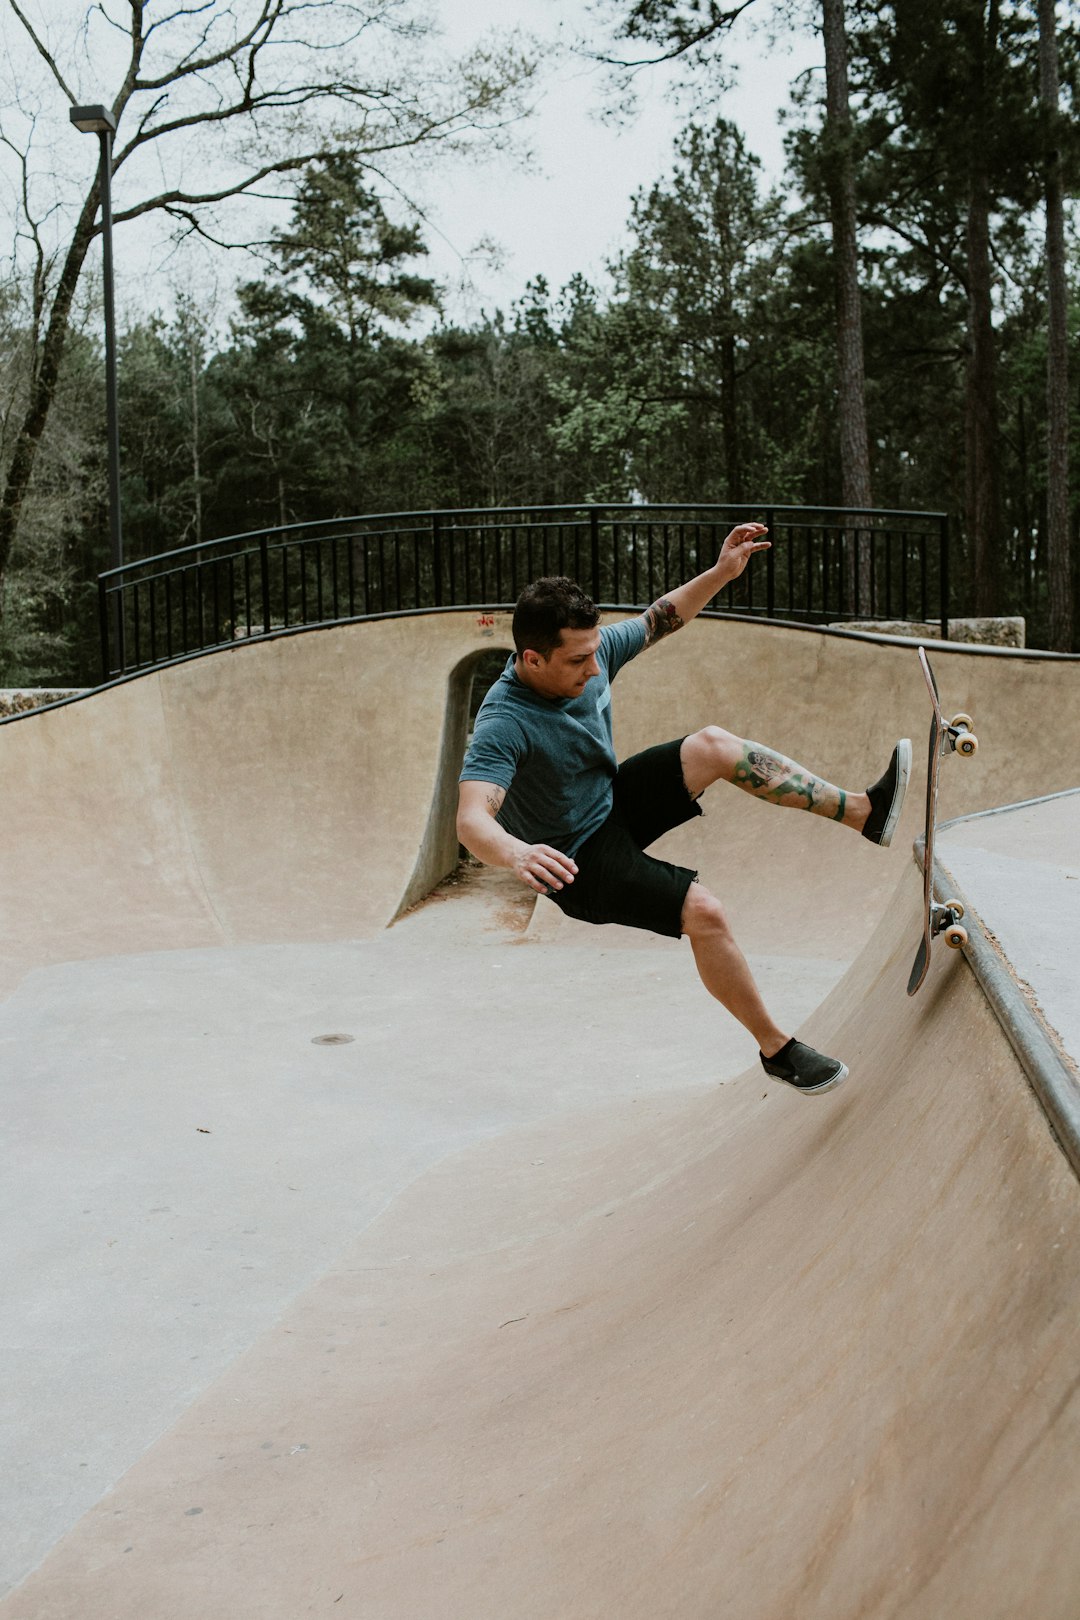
<point>887,796</point>
<point>808,1071</point>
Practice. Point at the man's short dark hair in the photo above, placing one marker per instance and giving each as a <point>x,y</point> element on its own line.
<point>546,608</point>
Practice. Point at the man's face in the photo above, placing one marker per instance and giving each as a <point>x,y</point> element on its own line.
<point>568,668</point>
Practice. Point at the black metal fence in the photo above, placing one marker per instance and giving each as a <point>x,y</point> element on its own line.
<point>826,565</point>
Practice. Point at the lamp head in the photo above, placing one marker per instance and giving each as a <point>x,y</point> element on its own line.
<point>93,120</point>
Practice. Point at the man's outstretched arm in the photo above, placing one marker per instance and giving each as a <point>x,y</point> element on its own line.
<point>538,865</point>
<point>676,608</point>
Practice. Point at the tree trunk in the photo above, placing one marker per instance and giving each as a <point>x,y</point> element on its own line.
<point>982,486</point>
<point>983,493</point>
<point>196,448</point>
<point>1059,561</point>
<point>729,417</point>
<point>854,448</point>
<point>44,383</point>
<point>1026,520</point>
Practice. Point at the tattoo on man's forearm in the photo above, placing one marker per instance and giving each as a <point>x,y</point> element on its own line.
<point>660,620</point>
<point>495,799</point>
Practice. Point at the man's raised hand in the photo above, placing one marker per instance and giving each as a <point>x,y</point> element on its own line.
<point>740,546</point>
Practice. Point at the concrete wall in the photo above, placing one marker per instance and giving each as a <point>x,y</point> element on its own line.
<point>303,788</point>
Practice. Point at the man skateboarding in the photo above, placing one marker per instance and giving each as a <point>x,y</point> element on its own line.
<point>541,792</point>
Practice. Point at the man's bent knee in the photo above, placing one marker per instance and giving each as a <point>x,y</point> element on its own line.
<point>707,755</point>
<point>702,913</point>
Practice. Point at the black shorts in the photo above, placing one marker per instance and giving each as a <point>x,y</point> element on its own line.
<point>616,881</point>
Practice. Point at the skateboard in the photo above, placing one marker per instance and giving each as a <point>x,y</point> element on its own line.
<point>939,916</point>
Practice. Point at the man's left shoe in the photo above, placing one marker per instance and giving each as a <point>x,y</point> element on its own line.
<point>808,1071</point>
<point>887,796</point>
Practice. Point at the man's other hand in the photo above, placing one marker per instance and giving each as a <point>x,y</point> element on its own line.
<point>543,868</point>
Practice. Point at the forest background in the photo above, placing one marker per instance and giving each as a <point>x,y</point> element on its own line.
<point>891,324</point>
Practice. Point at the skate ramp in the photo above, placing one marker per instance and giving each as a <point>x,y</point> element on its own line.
<point>740,1354</point>
<point>303,789</point>
<point>281,792</point>
<point>628,1330</point>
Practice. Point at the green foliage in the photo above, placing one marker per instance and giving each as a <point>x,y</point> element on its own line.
<point>707,373</point>
<point>48,597</point>
<point>315,377</point>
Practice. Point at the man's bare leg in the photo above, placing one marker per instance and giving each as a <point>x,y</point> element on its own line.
<point>715,755</point>
<point>724,970</point>
<point>726,974</point>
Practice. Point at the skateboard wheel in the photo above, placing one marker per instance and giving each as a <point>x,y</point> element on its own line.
<point>963,722</point>
<point>954,909</point>
<point>956,936</point>
<point>967,744</point>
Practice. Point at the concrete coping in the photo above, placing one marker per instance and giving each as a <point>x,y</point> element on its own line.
<point>990,632</point>
<point>55,700</point>
<point>1052,1069</point>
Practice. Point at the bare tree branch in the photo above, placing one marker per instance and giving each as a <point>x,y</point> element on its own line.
<point>362,98</point>
<point>685,39</point>
<point>257,35</point>
<point>174,16</point>
<point>42,260</point>
<point>43,52</point>
<point>170,200</point>
<point>282,74</point>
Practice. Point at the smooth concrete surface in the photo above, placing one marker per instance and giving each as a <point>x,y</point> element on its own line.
<point>535,1298</point>
<point>181,1159</point>
<point>1020,867</point>
<point>728,1352</point>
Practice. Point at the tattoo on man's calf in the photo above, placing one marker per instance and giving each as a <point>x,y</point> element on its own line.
<point>771,776</point>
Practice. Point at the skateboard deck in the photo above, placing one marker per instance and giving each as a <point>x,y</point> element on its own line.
<point>939,917</point>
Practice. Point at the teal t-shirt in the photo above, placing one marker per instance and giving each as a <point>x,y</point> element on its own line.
<point>554,756</point>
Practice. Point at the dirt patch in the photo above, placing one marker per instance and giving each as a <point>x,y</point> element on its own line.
<point>23,702</point>
<point>488,899</point>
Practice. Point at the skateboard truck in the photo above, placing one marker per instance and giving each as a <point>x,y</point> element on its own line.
<point>945,918</point>
<point>959,737</point>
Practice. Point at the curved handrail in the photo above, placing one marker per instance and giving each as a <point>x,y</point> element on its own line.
<point>750,509</point>
<point>828,564</point>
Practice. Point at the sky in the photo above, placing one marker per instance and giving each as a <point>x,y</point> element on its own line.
<point>564,211</point>
<point>568,212</point>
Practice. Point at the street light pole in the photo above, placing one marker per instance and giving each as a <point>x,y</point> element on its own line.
<point>100,121</point>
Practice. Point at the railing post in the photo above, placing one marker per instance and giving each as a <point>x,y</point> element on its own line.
<point>943,575</point>
<point>770,568</point>
<point>436,556</point>
<point>594,538</point>
<point>121,629</point>
<point>103,627</point>
<point>122,632</point>
<point>264,569</point>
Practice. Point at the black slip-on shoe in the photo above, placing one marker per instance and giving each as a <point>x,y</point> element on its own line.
<point>808,1071</point>
<point>887,796</point>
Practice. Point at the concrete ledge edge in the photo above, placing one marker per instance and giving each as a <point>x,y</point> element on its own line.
<point>1053,1075</point>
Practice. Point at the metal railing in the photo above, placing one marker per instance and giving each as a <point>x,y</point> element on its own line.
<point>826,565</point>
